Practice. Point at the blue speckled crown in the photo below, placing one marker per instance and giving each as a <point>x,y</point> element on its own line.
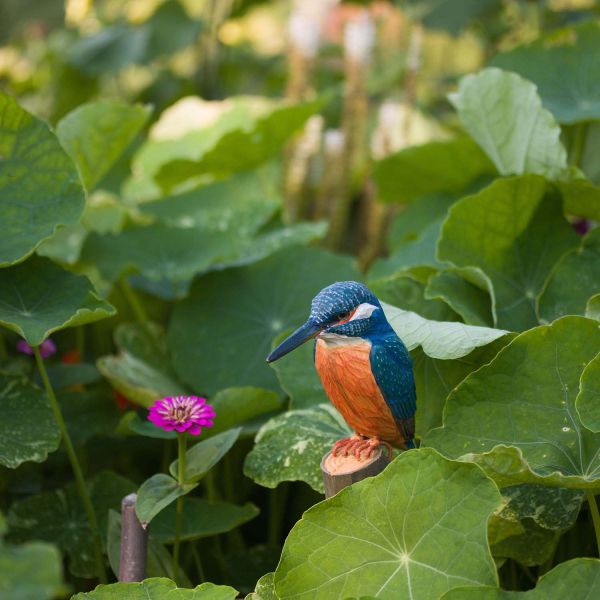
<point>338,297</point>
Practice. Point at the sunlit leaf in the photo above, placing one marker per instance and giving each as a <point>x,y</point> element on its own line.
<point>588,399</point>
<point>265,589</point>
<point>39,185</point>
<point>290,446</point>
<point>416,530</point>
<point>504,114</point>
<point>516,415</point>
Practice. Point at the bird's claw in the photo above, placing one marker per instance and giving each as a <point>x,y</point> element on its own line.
<point>357,445</point>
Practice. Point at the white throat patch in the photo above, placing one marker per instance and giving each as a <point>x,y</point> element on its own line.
<point>363,311</point>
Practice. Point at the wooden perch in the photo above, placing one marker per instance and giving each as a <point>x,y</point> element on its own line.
<point>134,543</point>
<point>342,471</point>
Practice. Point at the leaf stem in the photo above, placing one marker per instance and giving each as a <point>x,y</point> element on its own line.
<point>595,515</point>
<point>81,486</point>
<point>133,301</point>
<point>181,443</point>
<point>277,501</point>
<point>578,145</point>
<point>198,561</point>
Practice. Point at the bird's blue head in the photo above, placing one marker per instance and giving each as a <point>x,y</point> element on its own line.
<point>345,308</point>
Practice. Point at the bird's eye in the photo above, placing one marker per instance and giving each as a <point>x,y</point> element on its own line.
<point>344,315</point>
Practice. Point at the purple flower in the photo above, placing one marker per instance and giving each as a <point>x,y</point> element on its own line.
<point>182,413</point>
<point>47,348</point>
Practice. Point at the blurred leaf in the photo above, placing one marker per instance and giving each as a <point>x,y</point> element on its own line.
<point>592,308</point>
<point>66,375</point>
<point>243,148</point>
<point>408,293</point>
<point>158,588</point>
<point>436,167</point>
<point>58,516</point>
<point>39,185</point>
<point>524,427</point>
<point>28,431</point>
<point>439,543</point>
<point>438,339</point>
<point>436,378</point>
<point>96,134</point>
<point>290,446</point>
<point>29,571</point>
<point>237,312</point>
<point>148,429</point>
<point>297,375</point>
<point>39,298</point>
<point>156,493</point>
<point>201,518</point>
<point>588,406</point>
<point>204,455</point>
<point>517,250</point>
<point>465,297</point>
<point>573,280</point>
<point>141,371</point>
<point>580,197</point>
<point>564,65</point>
<point>235,406</point>
<point>577,579</point>
<point>504,115</point>
<point>65,245</point>
<point>532,546</point>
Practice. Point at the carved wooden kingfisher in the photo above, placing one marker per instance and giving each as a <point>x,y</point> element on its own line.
<point>364,366</point>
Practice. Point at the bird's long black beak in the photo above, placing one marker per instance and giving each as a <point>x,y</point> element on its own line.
<point>302,334</point>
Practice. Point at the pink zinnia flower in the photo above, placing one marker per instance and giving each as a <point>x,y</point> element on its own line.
<point>182,413</point>
<point>47,348</point>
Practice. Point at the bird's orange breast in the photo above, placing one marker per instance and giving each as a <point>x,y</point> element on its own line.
<point>345,371</point>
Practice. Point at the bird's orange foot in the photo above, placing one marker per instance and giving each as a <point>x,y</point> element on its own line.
<point>359,445</point>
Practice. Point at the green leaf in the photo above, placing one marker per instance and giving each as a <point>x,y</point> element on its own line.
<point>504,115</point>
<point>204,455</point>
<point>438,339</point>
<point>297,375</point>
<point>265,589</point>
<point>417,171</point>
<point>201,518</point>
<point>141,371</point>
<point>235,406</point>
<point>28,431</point>
<point>158,588</point>
<point>470,301</point>
<point>242,148</point>
<point>65,375</point>
<point>580,197</point>
<point>532,545</point>
<point>247,307</point>
<point>146,428</point>
<point>290,446</point>
<point>39,185</point>
<point>517,249</point>
<point>59,517</point>
<point>436,378</point>
<point>588,406</point>
<point>415,531</point>
<point>516,416</point>
<point>562,64</point>
<point>38,297</point>
<point>573,280</point>
<point>406,291</point>
<point>96,134</point>
<point>30,571</point>
<point>240,205</point>
<point>157,493</point>
<point>577,579</point>
<point>592,308</point>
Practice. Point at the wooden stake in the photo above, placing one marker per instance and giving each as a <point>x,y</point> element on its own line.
<point>134,543</point>
<point>342,471</point>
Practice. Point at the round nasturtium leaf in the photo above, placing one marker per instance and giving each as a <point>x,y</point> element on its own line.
<point>565,67</point>
<point>221,334</point>
<point>577,579</point>
<point>39,184</point>
<point>414,531</point>
<point>39,297</point>
<point>28,431</point>
<point>516,415</point>
<point>588,399</point>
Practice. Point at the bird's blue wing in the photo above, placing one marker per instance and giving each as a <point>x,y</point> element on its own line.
<point>392,368</point>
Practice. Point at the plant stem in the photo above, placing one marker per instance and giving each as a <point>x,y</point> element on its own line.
<point>181,441</point>
<point>277,500</point>
<point>578,145</point>
<point>198,562</point>
<point>81,486</point>
<point>595,515</point>
<point>133,301</point>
